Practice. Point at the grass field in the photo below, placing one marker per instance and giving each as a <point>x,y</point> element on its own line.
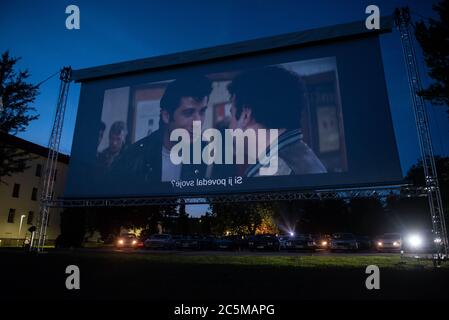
<point>172,276</point>
<point>300,261</point>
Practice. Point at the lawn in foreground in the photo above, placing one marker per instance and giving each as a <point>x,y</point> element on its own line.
<point>300,261</point>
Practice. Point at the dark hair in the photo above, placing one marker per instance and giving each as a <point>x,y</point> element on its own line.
<point>117,127</point>
<point>275,96</point>
<point>196,87</point>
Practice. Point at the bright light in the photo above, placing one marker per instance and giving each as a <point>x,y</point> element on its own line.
<point>120,241</point>
<point>134,242</point>
<point>292,234</point>
<point>415,240</point>
<point>324,243</point>
<point>396,244</point>
<point>437,240</point>
<point>380,244</point>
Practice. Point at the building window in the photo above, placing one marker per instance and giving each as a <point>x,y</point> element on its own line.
<point>30,217</point>
<point>16,190</point>
<point>38,170</point>
<point>34,194</point>
<point>11,215</point>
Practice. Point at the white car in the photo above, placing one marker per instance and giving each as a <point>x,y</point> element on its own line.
<point>389,242</point>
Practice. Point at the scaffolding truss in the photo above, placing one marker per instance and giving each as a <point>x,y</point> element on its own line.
<point>48,178</point>
<point>348,193</point>
<point>403,23</point>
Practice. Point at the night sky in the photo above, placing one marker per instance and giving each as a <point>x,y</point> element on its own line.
<point>114,31</point>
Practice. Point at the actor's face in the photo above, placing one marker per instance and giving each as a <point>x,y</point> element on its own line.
<point>242,121</point>
<point>188,111</point>
<point>116,141</point>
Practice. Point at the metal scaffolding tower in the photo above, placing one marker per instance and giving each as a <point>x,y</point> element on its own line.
<point>48,178</point>
<point>403,23</point>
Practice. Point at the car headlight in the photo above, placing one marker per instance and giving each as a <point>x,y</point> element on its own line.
<point>324,243</point>
<point>415,241</point>
<point>134,242</point>
<point>396,244</point>
<point>380,244</point>
<point>121,241</point>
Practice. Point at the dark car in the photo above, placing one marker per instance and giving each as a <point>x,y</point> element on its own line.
<point>189,242</point>
<point>207,242</point>
<point>176,238</point>
<point>300,242</point>
<point>364,243</point>
<point>421,242</point>
<point>264,242</point>
<point>344,242</point>
<point>128,240</point>
<point>225,243</point>
<point>159,241</point>
<point>323,241</point>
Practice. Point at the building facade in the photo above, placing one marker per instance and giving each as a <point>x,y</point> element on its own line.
<point>20,195</point>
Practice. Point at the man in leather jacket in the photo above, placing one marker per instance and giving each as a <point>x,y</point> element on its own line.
<point>148,160</point>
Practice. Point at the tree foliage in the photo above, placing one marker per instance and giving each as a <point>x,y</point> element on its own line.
<point>16,97</point>
<point>433,37</point>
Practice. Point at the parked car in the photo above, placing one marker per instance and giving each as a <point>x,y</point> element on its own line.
<point>389,242</point>
<point>264,242</point>
<point>206,242</point>
<point>301,242</point>
<point>159,241</point>
<point>128,240</point>
<point>344,241</point>
<point>225,243</point>
<point>323,242</point>
<point>421,242</point>
<point>189,242</point>
<point>177,241</point>
<point>283,241</point>
<point>364,243</point>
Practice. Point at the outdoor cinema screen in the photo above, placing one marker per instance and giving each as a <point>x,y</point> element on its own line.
<point>309,117</point>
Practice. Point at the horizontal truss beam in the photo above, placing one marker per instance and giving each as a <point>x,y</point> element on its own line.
<point>328,194</point>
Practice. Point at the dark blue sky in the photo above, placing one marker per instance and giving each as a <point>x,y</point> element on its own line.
<point>113,31</point>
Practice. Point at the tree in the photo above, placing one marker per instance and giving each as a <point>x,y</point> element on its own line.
<point>434,40</point>
<point>16,97</point>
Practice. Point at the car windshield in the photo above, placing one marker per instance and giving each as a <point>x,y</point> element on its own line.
<point>391,236</point>
<point>129,236</point>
